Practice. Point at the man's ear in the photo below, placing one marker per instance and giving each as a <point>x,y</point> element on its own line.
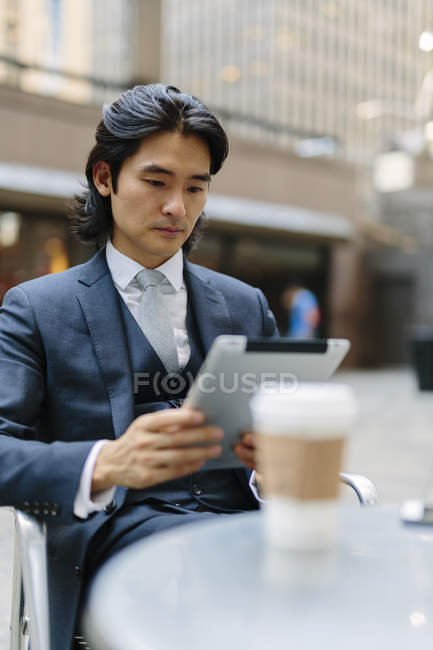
<point>102,178</point>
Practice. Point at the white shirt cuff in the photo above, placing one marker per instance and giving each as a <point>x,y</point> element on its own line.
<point>254,487</point>
<point>84,504</point>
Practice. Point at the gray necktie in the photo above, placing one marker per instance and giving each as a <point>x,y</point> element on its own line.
<point>155,319</point>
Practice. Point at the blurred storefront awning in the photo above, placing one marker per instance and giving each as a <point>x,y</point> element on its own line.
<point>287,219</point>
<point>37,188</point>
<point>42,189</point>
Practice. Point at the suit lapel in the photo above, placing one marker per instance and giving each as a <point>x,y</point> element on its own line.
<point>99,301</point>
<point>208,304</point>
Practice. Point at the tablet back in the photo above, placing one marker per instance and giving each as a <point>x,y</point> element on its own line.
<point>236,366</point>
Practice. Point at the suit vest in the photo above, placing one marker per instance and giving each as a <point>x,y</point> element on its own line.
<point>217,490</point>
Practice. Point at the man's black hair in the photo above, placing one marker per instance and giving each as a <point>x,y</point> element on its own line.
<point>140,112</point>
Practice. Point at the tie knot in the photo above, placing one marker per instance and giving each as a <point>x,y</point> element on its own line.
<point>149,277</point>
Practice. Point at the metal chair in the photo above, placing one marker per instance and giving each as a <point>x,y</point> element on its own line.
<point>29,612</point>
<point>363,487</point>
<point>29,607</point>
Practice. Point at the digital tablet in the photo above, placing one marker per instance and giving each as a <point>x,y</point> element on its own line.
<point>236,366</point>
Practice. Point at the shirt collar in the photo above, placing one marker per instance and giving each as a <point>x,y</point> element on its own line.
<point>123,269</point>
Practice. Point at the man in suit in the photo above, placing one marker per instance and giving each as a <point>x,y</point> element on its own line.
<point>105,459</point>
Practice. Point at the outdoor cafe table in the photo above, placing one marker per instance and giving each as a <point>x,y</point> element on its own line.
<point>215,586</point>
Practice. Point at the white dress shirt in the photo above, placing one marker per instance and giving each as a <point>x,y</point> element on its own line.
<point>123,270</point>
<point>173,291</point>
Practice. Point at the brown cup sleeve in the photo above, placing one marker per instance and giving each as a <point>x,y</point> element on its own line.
<point>299,468</point>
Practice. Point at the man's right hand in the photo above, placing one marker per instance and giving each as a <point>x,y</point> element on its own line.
<point>156,447</point>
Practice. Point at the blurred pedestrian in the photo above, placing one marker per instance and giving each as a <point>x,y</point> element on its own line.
<point>303,312</point>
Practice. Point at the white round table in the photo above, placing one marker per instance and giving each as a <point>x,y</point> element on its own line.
<point>215,586</point>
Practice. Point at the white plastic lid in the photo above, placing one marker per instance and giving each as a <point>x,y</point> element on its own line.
<point>319,408</point>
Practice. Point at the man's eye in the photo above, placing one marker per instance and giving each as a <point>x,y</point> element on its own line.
<point>154,183</point>
<point>195,190</point>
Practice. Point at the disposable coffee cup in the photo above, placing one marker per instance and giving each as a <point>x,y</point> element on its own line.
<point>300,438</point>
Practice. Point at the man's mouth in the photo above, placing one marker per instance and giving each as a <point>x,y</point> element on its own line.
<point>169,231</point>
<point>169,228</point>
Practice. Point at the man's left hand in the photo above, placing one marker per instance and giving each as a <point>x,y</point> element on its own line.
<point>246,450</point>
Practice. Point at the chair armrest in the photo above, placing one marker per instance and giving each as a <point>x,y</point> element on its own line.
<point>364,488</point>
<point>31,565</point>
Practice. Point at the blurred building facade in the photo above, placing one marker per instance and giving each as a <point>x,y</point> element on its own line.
<point>309,90</point>
<point>80,51</point>
<point>287,72</point>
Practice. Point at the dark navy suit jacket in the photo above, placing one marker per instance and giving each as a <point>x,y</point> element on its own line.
<point>66,381</point>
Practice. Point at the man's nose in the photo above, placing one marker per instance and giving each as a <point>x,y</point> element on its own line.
<point>174,206</point>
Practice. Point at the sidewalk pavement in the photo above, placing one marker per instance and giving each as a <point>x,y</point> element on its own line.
<point>392,444</point>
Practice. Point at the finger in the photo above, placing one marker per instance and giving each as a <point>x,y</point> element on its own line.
<point>177,418</point>
<point>186,437</point>
<point>248,439</point>
<point>186,455</point>
<point>245,452</point>
<point>176,471</point>
<point>246,455</point>
<point>171,428</point>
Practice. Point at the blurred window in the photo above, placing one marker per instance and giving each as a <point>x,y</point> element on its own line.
<point>82,51</point>
<point>33,245</point>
